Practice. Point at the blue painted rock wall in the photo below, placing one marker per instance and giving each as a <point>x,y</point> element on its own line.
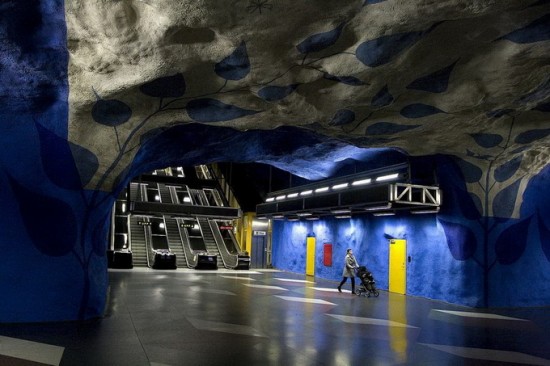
<point>497,262</point>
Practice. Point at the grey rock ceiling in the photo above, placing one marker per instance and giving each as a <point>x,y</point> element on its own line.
<point>466,78</point>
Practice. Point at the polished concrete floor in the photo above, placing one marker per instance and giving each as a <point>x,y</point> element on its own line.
<point>188,317</point>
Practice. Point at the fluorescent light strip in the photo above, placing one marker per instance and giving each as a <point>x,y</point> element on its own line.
<point>306,193</point>
<point>342,211</point>
<point>340,186</point>
<point>303,214</point>
<point>343,216</point>
<point>361,182</point>
<point>427,211</point>
<point>378,208</point>
<point>275,217</point>
<point>384,213</point>
<point>320,190</point>
<point>270,199</point>
<point>311,218</point>
<point>387,177</point>
<point>282,197</point>
<point>292,195</point>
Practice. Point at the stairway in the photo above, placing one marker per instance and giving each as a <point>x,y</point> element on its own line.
<point>164,192</point>
<point>138,244</point>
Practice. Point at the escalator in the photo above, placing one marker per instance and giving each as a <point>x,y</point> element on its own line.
<point>227,247</point>
<point>138,241</point>
<point>175,242</point>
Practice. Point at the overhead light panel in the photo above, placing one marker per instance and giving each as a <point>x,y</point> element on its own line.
<point>301,214</point>
<point>270,199</point>
<point>321,190</point>
<point>378,208</point>
<point>427,211</point>
<point>341,211</point>
<point>278,217</point>
<point>293,218</point>
<point>340,186</point>
<point>343,216</point>
<point>311,218</point>
<point>384,214</point>
<point>384,178</point>
<point>306,193</point>
<point>361,182</point>
<point>282,197</point>
<point>292,195</point>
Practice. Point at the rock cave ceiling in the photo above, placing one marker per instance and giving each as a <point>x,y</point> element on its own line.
<point>346,80</point>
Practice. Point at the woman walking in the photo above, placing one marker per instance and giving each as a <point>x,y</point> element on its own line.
<point>350,263</point>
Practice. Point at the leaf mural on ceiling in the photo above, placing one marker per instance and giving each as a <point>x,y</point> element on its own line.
<point>50,222</point>
<point>342,117</point>
<point>274,93</point>
<point>472,173</point>
<point>461,240</point>
<point>388,128</point>
<point>382,98</point>
<point>512,242</point>
<point>487,140</point>
<point>236,66</point>
<point>508,169</point>
<point>536,31</point>
<point>532,135</point>
<point>379,51</point>
<point>348,80</point>
<point>57,160</point>
<point>85,161</point>
<point>543,107</point>
<point>504,201</point>
<point>370,2</point>
<point>320,41</point>
<point>436,82</point>
<point>419,110</point>
<point>110,112</point>
<point>212,110</point>
<point>165,87</point>
<point>544,235</point>
<point>497,113</point>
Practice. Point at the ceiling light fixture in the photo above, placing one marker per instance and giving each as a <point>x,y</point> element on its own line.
<point>282,197</point>
<point>270,199</point>
<point>427,211</point>
<point>292,195</point>
<point>384,178</point>
<point>384,213</point>
<point>322,189</point>
<point>361,182</point>
<point>343,216</point>
<point>311,218</point>
<point>301,214</point>
<point>340,186</point>
<point>341,211</point>
<point>306,193</point>
<point>378,208</point>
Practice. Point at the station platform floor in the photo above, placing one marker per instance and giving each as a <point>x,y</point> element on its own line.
<point>269,317</point>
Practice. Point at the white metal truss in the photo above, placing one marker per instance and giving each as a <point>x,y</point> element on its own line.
<point>413,194</point>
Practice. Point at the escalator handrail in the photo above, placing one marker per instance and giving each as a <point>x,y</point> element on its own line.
<point>222,248</point>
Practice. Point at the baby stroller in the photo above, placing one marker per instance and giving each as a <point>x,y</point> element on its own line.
<point>366,288</point>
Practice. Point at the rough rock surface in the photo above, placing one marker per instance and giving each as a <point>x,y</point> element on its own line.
<point>466,78</point>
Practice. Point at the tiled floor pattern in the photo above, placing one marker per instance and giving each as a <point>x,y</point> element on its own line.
<point>186,317</point>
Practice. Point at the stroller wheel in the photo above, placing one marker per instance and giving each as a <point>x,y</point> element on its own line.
<point>376,293</point>
<point>357,292</point>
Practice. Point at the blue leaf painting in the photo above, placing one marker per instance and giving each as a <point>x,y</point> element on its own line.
<point>388,128</point>
<point>536,31</point>
<point>532,135</point>
<point>236,66</point>
<point>544,234</point>
<point>348,80</point>
<point>370,2</point>
<point>543,107</point>
<point>320,41</point>
<point>100,236</point>
<point>508,169</point>
<point>497,113</point>
<point>436,82</point>
<point>382,98</point>
<point>487,140</point>
<point>505,200</point>
<point>381,50</point>
<point>471,172</point>
<point>86,163</point>
<point>419,110</point>
<point>212,110</point>
<point>541,92</point>
<point>151,133</point>
<point>50,222</point>
<point>165,87</point>
<point>461,240</point>
<point>512,242</point>
<point>342,117</point>
<point>274,93</point>
<point>110,112</point>
<point>57,160</point>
